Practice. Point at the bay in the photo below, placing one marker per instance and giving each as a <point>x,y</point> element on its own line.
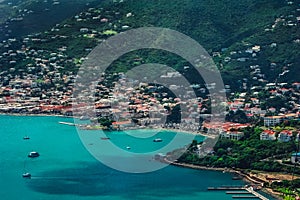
<point>66,170</point>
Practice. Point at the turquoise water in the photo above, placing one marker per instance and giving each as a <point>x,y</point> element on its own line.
<point>65,170</point>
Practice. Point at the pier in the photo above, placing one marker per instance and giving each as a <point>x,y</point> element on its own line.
<point>237,192</point>
<point>244,197</point>
<point>250,190</point>
<point>240,192</point>
<point>226,188</point>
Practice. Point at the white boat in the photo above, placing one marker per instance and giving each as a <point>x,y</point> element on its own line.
<point>128,147</point>
<point>26,138</point>
<point>26,175</point>
<point>33,154</point>
<point>157,140</point>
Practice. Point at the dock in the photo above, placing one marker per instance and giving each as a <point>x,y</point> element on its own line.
<point>226,188</point>
<point>244,197</point>
<point>250,190</point>
<point>237,192</point>
<point>240,192</point>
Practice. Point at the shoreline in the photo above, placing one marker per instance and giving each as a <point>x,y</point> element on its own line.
<point>153,128</point>
<point>175,130</point>
<point>245,177</point>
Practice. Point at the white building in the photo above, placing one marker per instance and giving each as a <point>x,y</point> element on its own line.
<point>285,136</point>
<point>232,135</point>
<point>273,120</point>
<point>268,135</point>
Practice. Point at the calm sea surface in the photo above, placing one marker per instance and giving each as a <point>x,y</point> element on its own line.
<point>65,170</point>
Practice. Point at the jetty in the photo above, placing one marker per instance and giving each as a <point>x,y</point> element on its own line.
<point>240,192</point>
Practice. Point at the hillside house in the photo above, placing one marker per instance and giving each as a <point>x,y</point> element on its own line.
<point>285,136</point>
<point>268,135</point>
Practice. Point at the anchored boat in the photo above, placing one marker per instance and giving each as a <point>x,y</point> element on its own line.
<point>33,154</point>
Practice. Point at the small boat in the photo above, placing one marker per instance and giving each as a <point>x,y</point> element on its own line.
<point>157,140</point>
<point>105,138</point>
<point>26,175</point>
<point>26,138</point>
<point>128,147</point>
<point>33,154</point>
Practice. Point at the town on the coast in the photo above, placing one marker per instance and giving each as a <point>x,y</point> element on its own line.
<point>259,137</point>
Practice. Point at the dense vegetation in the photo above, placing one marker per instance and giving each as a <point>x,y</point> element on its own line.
<point>220,26</point>
<point>248,153</point>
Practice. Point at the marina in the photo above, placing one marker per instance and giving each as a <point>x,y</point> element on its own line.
<point>240,192</point>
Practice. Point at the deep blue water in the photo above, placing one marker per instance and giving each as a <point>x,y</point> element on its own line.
<point>65,170</point>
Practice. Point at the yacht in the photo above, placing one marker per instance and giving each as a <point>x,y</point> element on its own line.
<point>128,147</point>
<point>26,138</point>
<point>33,154</point>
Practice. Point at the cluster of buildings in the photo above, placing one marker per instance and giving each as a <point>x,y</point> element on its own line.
<point>132,104</point>
<point>38,79</point>
<point>281,136</point>
<point>41,80</point>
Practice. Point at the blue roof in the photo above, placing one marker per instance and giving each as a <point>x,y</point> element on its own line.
<point>296,154</point>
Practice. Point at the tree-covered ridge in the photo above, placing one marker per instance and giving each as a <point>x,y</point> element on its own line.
<point>227,29</point>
